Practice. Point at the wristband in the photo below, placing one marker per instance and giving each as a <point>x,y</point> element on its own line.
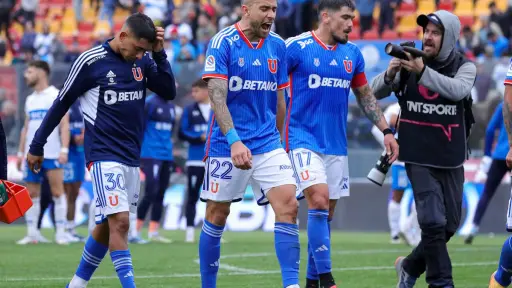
<point>232,136</point>
<point>387,131</point>
<point>20,154</point>
<point>64,150</point>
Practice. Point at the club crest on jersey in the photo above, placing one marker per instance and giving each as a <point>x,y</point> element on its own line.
<point>272,65</point>
<point>137,74</point>
<point>348,65</point>
<point>113,200</point>
<point>316,62</point>
<point>241,62</point>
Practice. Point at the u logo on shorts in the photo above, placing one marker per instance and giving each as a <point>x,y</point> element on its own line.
<point>215,187</point>
<point>113,203</point>
<point>304,175</point>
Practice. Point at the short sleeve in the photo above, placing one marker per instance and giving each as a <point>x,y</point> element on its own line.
<point>359,78</point>
<point>217,58</point>
<point>508,78</point>
<point>292,56</point>
<point>282,69</point>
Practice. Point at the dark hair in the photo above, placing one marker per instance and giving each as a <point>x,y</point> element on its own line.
<point>43,65</point>
<point>335,5</point>
<point>490,34</point>
<point>142,27</point>
<point>492,5</point>
<point>200,84</point>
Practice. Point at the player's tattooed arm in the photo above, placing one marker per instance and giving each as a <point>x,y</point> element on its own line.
<point>507,112</point>
<point>218,92</point>
<point>368,103</point>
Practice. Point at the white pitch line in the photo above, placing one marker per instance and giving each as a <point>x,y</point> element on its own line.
<point>177,275</point>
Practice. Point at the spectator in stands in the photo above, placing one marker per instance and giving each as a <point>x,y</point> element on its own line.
<point>205,31</point>
<point>190,10</point>
<point>387,14</point>
<point>185,51</point>
<point>5,11</point>
<point>73,50</point>
<point>487,27</point>
<point>485,69</point>
<point>107,11</point>
<point>365,8</point>
<point>231,17</point>
<point>495,13</point>
<point>27,11</point>
<point>499,43</point>
<point>43,44</point>
<point>469,41</point>
<point>58,49</point>
<point>155,9</point>
<point>29,37</point>
<point>284,13</point>
<point>8,115</point>
<point>3,51</point>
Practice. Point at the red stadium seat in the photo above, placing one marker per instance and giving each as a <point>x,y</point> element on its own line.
<point>371,35</point>
<point>409,35</point>
<point>86,26</point>
<point>446,5</point>
<point>389,35</point>
<point>467,20</point>
<point>405,8</point>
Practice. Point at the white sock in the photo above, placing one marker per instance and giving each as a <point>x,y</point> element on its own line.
<point>70,225</point>
<point>133,225</point>
<point>61,208</point>
<point>413,220</point>
<point>394,218</point>
<point>92,215</point>
<point>32,215</point>
<point>77,282</point>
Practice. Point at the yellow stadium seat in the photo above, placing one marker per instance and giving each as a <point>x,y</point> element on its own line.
<point>407,23</point>
<point>482,7</point>
<point>426,6</point>
<point>68,27</point>
<point>376,12</point>
<point>55,26</point>
<point>54,11</point>
<point>502,4</point>
<point>69,13</point>
<point>464,7</point>
<point>120,15</point>
<point>103,26</point>
<point>8,58</point>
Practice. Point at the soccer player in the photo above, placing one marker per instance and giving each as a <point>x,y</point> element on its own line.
<point>493,165</point>
<point>323,66</point>
<point>503,275</point>
<point>74,170</point>
<point>55,152</point>
<point>157,163</point>
<point>193,127</point>
<point>111,80</point>
<point>246,72</point>
<point>410,231</point>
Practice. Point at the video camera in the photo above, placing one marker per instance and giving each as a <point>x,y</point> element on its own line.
<point>397,51</point>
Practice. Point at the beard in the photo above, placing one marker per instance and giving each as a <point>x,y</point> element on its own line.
<point>340,40</point>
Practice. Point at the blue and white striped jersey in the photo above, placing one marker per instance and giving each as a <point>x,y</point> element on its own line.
<point>160,117</point>
<point>317,102</point>
<point>254,71</point>
<point>112,92</point>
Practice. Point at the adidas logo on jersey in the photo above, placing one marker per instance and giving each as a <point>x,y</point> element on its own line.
<point>322,248</point>
<point>111,74</point>
<point>256,63</point>
<point>215,264</point>
<point>333,63</point>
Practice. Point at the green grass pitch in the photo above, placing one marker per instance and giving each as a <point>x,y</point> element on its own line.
<point>360,260</point>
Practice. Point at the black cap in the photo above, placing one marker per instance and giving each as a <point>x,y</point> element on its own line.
<point>423,20</point>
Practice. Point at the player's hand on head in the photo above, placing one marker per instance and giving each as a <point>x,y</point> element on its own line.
<point>159,43</point>
<point>241,156</point>
<point>34,162</point>
<point>391,147</point>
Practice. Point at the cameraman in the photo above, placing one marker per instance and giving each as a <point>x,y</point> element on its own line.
<point>435,99</point>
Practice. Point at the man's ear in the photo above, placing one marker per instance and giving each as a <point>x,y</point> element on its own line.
<point>123,35</point>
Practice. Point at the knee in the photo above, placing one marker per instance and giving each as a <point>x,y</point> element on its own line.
<point>217,213</point>
<point>318,199</point>
<point>119,223</point>
<point>287,210</point>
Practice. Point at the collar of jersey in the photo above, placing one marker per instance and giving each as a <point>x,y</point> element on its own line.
<point>109,49</point>
<point>246,40</point>
<point>322,43</point>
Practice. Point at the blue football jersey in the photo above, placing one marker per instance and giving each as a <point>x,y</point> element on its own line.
<point>254,71</point>
<point>501,148</point>
<point>112,92</point>
<point>76,124</point>
<point>508,78</point>
<point>160,120</point>
<point>317,102</point>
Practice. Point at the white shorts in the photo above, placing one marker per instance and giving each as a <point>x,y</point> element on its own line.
<point>225,183</point>
<point>116,189</point>
<point>314,168</point>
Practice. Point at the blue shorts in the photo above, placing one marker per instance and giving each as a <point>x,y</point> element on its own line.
<point>48,164</point>
<point>74,170</point>
<point>399,179</point>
